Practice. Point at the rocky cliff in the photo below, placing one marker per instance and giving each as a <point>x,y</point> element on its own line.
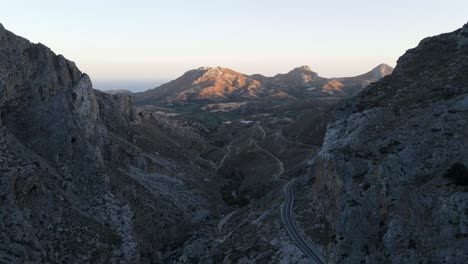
<point>389,184</point>
<point>86,177</point>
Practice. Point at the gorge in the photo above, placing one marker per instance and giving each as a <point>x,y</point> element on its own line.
<point>198,170</point>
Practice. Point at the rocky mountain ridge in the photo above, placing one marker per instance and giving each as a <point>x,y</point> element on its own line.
<point>223,85</point>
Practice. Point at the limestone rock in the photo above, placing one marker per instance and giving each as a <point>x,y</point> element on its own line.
<point>380,179</point>
<point>85,177</point>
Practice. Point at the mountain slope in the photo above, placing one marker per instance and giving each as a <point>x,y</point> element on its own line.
<point>375,74</point>
<point>357,83</point>
<point>389,184</point>
<point>85,176</point>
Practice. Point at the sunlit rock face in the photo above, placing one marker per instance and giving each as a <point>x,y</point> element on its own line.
<point>226,85</point>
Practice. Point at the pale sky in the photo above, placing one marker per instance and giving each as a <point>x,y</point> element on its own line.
<point>146,41</point>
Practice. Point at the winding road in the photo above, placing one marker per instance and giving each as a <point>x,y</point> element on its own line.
<point>288,221</point>
<point>286,208</point>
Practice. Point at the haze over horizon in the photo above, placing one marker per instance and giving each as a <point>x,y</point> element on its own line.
<point>266,37</point>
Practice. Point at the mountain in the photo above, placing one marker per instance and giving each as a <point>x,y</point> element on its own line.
<point>384,181</point>
<point>223,85</point>
<point>85,176</point>
<point>356,83</point>
<point>375,74</point>
<point>389,184</point>
<point>214,96</point>
<point>202,84</point>
<point>296,167</point>
<point>299,77</point>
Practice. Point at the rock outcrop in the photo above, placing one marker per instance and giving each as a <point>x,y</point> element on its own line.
<point>390,182</point>
<point>86,177</point>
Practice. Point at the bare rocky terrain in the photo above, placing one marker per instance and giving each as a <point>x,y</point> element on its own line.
<point>194,171</point>
<point>85,176</point>
<point>389,184</point>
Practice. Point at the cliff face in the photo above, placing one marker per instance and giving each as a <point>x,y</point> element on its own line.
<point>391,178</point>
<point>82,179</point>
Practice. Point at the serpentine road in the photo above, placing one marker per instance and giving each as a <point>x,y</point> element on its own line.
<point>286,207</point>
<point>288,221</point>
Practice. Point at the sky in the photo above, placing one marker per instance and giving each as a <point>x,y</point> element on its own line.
<point>139,44</point>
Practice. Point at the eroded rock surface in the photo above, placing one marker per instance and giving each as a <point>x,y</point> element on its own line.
<point>384,180</point>
<point>86,177</point>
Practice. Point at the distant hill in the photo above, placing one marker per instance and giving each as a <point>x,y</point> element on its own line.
<point>363,80</point>
<point>227,85</point>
